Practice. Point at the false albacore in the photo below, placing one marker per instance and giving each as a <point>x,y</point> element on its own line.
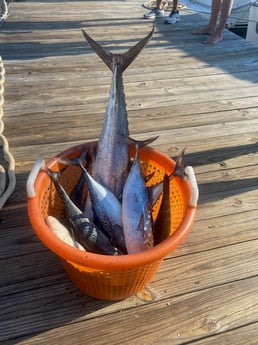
<point>85,232</point>
<point>110,167</point>
<point>136,208</point>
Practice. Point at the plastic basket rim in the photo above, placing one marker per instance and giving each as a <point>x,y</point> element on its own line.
<point>108,262</point>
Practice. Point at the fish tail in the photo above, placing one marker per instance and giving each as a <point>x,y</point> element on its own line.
<point>78,160</point>
<point>101,52</point>
<point>71,208</point>
<point>125,59</point>
<point>133,52</point>
<point>179,169</point>
<point>54,175</point>
<point>141,143</point>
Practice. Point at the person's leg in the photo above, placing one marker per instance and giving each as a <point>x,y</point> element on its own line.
<point>158,11</point>
<point>174,14</point>
<point>159,4</point>
<point>175,4</point>
<point>209,29</point>
<point>218,34</point>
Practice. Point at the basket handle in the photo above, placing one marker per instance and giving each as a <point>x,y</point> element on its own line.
<point>38,165</point>
<point>192,180</point>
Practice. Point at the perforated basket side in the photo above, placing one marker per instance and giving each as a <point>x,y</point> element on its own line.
<point>111,285</point>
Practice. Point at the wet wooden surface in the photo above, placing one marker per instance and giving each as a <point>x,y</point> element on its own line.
<point>200,97</point>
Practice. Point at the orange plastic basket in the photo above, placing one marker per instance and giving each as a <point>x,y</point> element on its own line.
<point>102,276</point>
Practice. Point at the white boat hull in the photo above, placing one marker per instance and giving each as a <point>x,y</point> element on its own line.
<point>238,17</point>
<point>252,29</point>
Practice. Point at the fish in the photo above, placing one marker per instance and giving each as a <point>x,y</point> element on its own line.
<point>62,232</point>
<point>2,180</point>
<point>85,232</point>
<point>106,207</point>
<point>111,165</point>
<point>136,209</point>
<point>179,169</point>
<point>163,222</point>
<point>154,192</point>
<point>77,195</point>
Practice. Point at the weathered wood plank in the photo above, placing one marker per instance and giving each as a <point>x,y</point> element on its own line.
<point>31,132</point>
<point>248,334</point>
<point>171,320</point>
<point>190,273</point>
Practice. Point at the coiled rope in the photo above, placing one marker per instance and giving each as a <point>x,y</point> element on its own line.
<point>7,175</point>
<point>3,11</point>
<point>7,163</point>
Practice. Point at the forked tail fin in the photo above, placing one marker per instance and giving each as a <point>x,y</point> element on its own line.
<point>141,143</point>
<point>125,59</point>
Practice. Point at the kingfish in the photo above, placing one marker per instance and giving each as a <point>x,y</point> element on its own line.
<point>136,208</point>
<point>110,167</point>
<point>85,232</point>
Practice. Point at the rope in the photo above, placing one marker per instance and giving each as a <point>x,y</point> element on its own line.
<point>3,11</point>
<point>7,175</point>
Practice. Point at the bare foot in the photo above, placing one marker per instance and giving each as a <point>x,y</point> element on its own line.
<point>204,31</point>
<point>215,38</point>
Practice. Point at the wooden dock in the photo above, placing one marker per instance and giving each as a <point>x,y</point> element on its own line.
<point>204,98</point>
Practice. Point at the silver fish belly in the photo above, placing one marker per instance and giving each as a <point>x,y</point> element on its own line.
<point>110,167</point>
<point>136,212</point>
<point>107,209</point>
<point>112,160</point>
